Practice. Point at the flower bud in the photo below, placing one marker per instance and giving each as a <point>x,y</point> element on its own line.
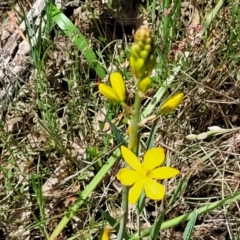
<point>108,92</point>
<point>142,34</point>
<point>145,84</point>
<point>118,85</point>
<point>148,47</point>
<point>202,136</point>
<point>139,65</point>
<point>135,50</point>
<point>191,137</point>
<point>149,40</point>
<point>142,58</point>
<point>132,65</point>
<point>144,54</point>
<point>150,64</point>
<point>140,68</point>
<point>214,128</point>
<point>172,103</point>
<point>116,93</point>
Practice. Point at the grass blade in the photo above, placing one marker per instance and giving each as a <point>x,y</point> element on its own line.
<point>84,194</point>
<point>78,39</point>
<point>190,226</point>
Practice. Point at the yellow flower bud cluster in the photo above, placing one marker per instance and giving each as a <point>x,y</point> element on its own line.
<point>142,58</point>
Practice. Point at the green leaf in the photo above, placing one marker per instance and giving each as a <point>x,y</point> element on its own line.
<point>116,133</point>
<point>85,193</point>
<point>78,39</point>
<point>190,226</point>
<point>156,227</point>
<point>141,202</point>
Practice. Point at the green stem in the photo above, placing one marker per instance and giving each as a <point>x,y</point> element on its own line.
<point>135,121</point>
<point>123,223</point>
<point>138,222</point>
<point>132,146</point>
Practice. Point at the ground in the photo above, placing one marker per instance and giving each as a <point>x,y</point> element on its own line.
<point>57,132</point>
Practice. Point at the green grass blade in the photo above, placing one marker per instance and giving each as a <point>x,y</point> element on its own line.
<point>210,18</point>
<point>188,216</point>
<point>78,39</point>
<point>152,134</point>
<point>116,133</point>
<point>154,230</point>
<point>190,226</point>
<point>141,202</point>
<point>84,194</point>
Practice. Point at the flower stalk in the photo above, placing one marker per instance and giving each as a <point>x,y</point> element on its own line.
<point>134,125</point>
<point>142,61</point>
<point>143,177</point>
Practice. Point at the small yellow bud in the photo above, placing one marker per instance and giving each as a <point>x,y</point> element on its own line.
<point>144,54</point>
<point>139,65</point>
<point>148,47</point>
<point>141,44</point>
<point>149,40</point>
<point>172,103</point>
<point>145,84</point>
<point>142,34</point>
<point>150,64</point>
<point>132,65</point>
<point>135,50</point>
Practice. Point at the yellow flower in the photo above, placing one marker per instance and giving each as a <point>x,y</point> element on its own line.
<point>116,93</point>
<point>106,234</point>
<point>171,103</point>
<point>141,176</point>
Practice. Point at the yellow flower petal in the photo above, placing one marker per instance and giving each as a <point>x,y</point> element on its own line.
<point>153,158</point>
<point>106,234</point>
<point>171,103</point>
<point>135,191</point>
<point>131,159</point>
<point>164,173</point>
<point>128,177</point>
<point>118,85</point>
<point>153,189</point>
<point>108,92</point>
